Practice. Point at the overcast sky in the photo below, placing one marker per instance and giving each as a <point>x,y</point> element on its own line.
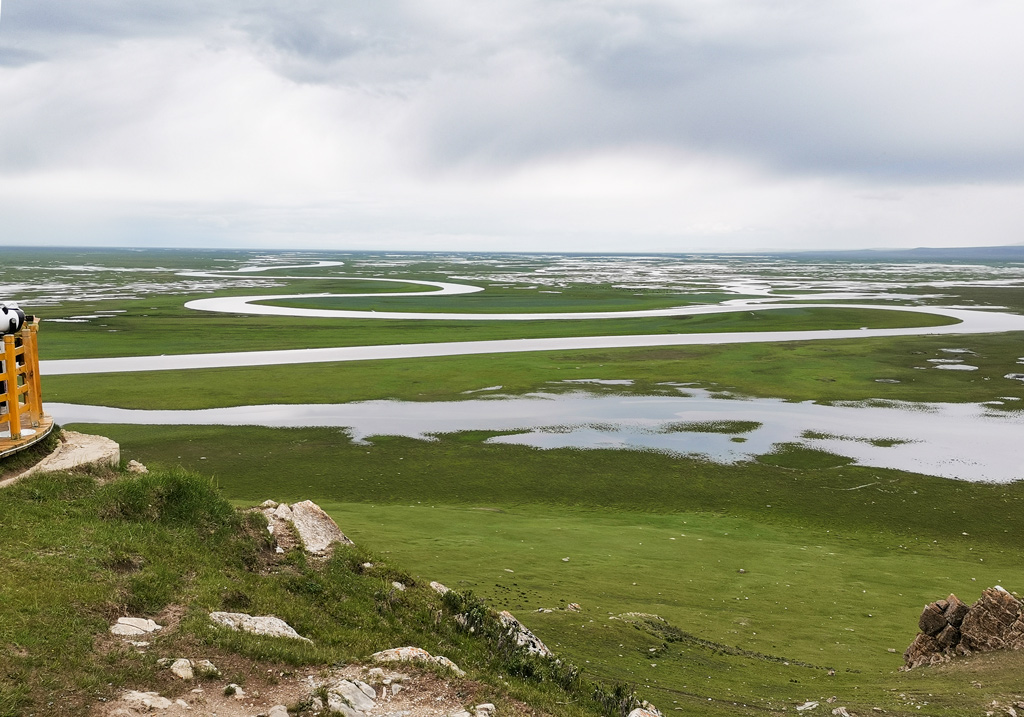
<point>575,125</point>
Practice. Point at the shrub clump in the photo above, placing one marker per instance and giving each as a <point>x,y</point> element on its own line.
<point>175,497</point>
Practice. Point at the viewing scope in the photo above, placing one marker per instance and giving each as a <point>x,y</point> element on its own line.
<point>12,318</point>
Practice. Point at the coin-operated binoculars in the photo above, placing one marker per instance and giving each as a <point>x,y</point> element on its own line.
<point>12,318</point>
<point>20,396</point>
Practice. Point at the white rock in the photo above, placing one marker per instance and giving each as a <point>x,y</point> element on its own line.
<point>439,588</point>
<point>366,689</point>
<point>522,635</point>
<point>415,654</point>
<point>484,710</point>
<point>397,585</point>
<point>282,512</point>
<point>806,706</point>
<point>347,693</point>
<point>278,711</point>
<point>182,669</point>
<point>317,530</point>
<point>183,704</point>
<point>269,504</point>
<point>205,668</point>
<point>644,712</point>
<point>445,662</point>
<point>136,467</point>
<point>401,654</point>
<point>840,712</point>
<point>147,700</point>
<point>133,626</point>
<point>266,625</point>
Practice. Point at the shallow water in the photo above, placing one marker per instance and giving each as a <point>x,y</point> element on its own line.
<point>963,441</point>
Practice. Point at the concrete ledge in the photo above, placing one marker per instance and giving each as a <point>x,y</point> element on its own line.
<point>74,451</point>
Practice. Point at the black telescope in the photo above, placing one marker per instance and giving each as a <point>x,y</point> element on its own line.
<point>12,318</point>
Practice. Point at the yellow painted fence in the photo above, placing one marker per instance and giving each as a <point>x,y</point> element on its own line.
<point>21,399</point>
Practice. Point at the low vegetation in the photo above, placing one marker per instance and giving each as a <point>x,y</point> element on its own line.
<point>80,550</point>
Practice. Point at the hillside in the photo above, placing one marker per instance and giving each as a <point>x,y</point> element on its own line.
<point>81,550</point>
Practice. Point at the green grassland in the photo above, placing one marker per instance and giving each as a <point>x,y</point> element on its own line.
<point>79,551</point>
<point>838,559</point>
<point>160,325</point>
<point>838,562</point>
<point>836,370</point>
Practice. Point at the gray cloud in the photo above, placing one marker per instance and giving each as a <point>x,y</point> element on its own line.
<point>866,94</point>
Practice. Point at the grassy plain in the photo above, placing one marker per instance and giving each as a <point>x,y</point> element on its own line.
<point>839,559</point>
<point>838,562</point>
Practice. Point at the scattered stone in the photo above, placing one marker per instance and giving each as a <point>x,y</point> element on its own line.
<point>133,626</point>
<point>269,504</point>
<point>415,654</point>
<point>806,706</point>
<point>402,654</point>
<point>840,712</point>
<point>347,694</point>
<point>182,669</point>
<point>269,625</point>
<point>445,662</point>
<point>950,628</point>
<point>367,566</point>
<point>573,607</point>
<point>136,467</point>
<point>317,530</point>
<point>146,700</point>
<point>205,668</point>
<point>483,710</point>
<point>278,711</point>
<point>398,586</point>
<point>439,588</point>
<point>648,711</point>
<point>565,560</point>
<point>522,635</point>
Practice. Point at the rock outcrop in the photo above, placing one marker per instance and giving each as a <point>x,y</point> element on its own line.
<point>267,625</point>
<point>950,627</point>
<point>415,654</point>
<point>522,635</point>
<point>316,530</point>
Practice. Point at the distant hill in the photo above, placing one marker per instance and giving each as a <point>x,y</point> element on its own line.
<point>965,254</point>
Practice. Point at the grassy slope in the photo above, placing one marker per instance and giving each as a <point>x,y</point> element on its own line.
<point>76,556</point>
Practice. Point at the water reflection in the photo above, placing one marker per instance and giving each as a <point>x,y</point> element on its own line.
<point>965,441</point>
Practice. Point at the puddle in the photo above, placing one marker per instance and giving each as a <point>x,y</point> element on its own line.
<point>964,441</point>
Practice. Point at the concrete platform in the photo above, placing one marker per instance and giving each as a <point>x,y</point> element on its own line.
<point>74,451</point>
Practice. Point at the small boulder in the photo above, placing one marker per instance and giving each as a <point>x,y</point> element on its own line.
<point>136,467</point>
<point>182,669</point>
<point>317,530</point>
<point>146,700</point>
<point>438,588</point>
<point>268,625</point>
<point>133,626</point>
<point>522,635</point>
<point>346,693</point>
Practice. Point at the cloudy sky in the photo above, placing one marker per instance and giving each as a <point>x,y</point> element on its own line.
<point>576,125</point>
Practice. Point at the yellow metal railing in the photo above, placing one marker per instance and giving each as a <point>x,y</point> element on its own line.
<point>21,399</point>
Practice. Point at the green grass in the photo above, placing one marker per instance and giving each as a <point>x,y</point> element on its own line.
<point>798,371</point>
<point>77,555</point>
<point>160,325</point>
